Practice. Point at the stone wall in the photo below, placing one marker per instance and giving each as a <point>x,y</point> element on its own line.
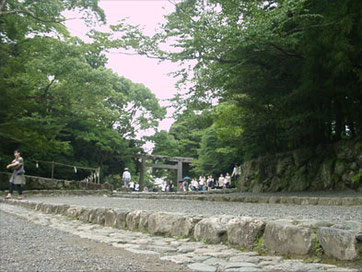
<point>304,238</point>
<point>328,167</point>
<point>39,183</point>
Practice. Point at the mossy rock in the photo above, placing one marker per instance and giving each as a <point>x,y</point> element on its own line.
<point>340,167</point>
<point>299,181</point>
<point>283,164</point>
<point>278,184</point>
<point>301,156</point>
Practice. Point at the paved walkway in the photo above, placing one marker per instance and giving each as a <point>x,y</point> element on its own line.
<point>184,254</point>
<point>334,214</point>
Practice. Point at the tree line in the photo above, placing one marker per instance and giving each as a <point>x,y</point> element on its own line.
<point>58,100</point>
<point>262,77</point>
<point>267,77</point>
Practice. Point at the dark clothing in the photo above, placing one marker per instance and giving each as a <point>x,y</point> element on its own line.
<point>18,188</point>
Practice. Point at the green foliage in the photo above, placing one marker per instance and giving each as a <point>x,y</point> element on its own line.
<point>357,178</point>
<point>291,68</point>
<point>58,101</point>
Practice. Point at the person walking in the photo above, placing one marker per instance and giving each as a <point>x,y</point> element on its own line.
<point>17,177</point>
<point>236,172</point>
<point>126,177</point>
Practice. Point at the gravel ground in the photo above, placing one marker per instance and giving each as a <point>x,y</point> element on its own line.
<point>272,211</point>
<point>25,246</point>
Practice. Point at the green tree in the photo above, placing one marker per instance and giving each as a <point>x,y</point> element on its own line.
<point>294,67</point>
<point>58,101</point>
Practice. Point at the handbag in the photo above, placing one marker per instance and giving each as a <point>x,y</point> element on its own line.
<point>20,171</point>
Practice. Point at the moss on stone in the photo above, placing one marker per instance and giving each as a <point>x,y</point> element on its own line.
<point>259,245</point>
<point>317,250</point>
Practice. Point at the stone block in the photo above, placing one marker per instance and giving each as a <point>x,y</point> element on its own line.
<point>244,231</point>
<point>211,229</point>
<point>85,215</point>
<point>74,211</point>
<point>50,208</point>
<point>183,227</point>
<point>38,206</point>
<point>286,238</point>
<point>133,219</point>
<point>100,216</point>
<point>92,216</point>
<point>274,200</point>
<point>143,224</point>
<point>202,267</point>
<point>338,243</point>
<point>109,218</point>
<point>161,223</point>
<point>32,205</point>
<point>121,216</point>
<point>61,208</point>
<point>309,201</point>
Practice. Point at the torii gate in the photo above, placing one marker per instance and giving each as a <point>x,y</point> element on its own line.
<point>178,166</point>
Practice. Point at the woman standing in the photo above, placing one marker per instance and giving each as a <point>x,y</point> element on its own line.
<point>221,181</point>
<point>210,183</point>
<point>227,180</point>
<point>17,177</point>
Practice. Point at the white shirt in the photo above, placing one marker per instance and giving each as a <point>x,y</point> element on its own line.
<point>131,184</point>
<point>236,171</point>
<point>126,175</point>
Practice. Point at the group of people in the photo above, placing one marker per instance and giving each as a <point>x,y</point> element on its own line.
<point>128,182</point>
<point>206,184</point>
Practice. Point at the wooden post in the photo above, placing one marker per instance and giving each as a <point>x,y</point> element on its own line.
<point>179,174</point>
<point>142,174</point>
<point>52,175</point>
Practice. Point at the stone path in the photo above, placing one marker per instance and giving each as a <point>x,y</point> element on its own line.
<point>334,214</point>
<point>193,256</point>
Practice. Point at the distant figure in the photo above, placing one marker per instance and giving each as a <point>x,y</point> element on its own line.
<point>17,177</point>
<point>236,172</point>
<point>126,177</point>
<point>202,183</point>
<point>195,185</point>
<point>210,183</point>
<point>221,181</point>
<point>163,187</point>
<point>170,188</point>
<point>227,180</point>
<point>132,185</point>
<point>184,185</point>
<point>137,187</point>
<point>145,189</point>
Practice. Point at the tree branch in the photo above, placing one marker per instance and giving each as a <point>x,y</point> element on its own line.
<point>285,52</point>
<point>31,14</point>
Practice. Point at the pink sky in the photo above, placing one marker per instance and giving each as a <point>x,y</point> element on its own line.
<point>140,69</point>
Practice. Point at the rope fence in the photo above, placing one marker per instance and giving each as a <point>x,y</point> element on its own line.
<point>94,177</point>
